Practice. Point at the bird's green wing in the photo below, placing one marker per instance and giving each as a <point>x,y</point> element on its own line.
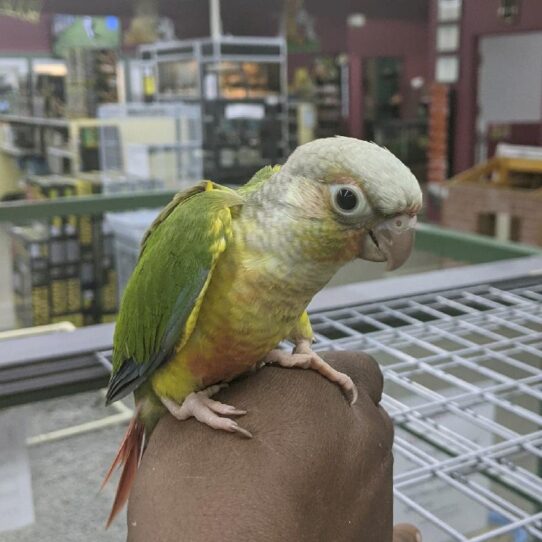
<point>180,197</point>
<point>259,178</point>
<point>160,304</point>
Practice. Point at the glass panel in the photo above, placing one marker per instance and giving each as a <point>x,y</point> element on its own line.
<point>14,86</point>
<point>178,78</point>
<point>447,69</point>
<point>447,38</point>
<point>449,10</point>
<point>241,80</point>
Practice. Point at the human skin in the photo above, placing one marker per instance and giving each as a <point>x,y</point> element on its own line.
<point>316,470</point>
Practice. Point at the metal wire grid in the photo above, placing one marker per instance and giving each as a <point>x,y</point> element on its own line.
<point>464,387</point>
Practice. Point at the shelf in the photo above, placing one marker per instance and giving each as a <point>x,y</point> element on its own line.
<point>17,152</point>
<point>35,121</point>
<point>328,103</point>
<point>60,152</point>
<point>329,117</point>
<point>22,211</point>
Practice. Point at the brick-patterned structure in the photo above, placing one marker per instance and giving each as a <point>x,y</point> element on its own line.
<point>437,149</point>
<point>474,205</point>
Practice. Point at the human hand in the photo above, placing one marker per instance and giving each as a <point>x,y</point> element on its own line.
<point>317,468</point>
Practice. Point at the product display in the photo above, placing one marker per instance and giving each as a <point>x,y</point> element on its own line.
<point>185,188</point>
<point>318,100</point>
<point>64,269</point>
<point>240,84</point>
<point>91,81</point>
<point>328,77</point>
<point>49,96</point>
<point>157,140</point>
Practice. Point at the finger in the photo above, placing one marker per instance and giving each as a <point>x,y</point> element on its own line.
<point>404,532</point>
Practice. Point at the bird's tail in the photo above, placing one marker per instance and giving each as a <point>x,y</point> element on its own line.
<point>128,456</point>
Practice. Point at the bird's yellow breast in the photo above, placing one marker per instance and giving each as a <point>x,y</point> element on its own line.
<point>260,287</point>
<point>245,313</point>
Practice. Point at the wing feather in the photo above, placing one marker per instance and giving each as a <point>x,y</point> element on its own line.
<point>161,302</point>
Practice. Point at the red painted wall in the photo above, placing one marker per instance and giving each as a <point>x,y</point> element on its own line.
<point>331,32</point>
<point>480,19</point>
<point>384,37</point>
<point>19,36</point>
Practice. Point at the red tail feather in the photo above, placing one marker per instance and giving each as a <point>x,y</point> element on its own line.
<point>128,456</point>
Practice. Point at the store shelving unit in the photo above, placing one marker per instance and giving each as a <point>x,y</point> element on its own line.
<point>172,154</point>
<point>319,100</point>
<point>302,122</point>
<point>73,146</point>
<point>329,96</point>
<point>157,145</point>
<point>241,85</point>
<point>41,138</point>
<point>16,152</point>
<point>34,121</point>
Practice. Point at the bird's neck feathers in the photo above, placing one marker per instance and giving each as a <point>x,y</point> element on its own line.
<point>285,229</point>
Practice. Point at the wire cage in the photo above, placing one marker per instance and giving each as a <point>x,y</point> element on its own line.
<point>463,378</point>
<point>164,143</point>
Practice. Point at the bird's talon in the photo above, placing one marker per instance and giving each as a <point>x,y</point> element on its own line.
<point>223,409</point>
<point>237,428</point>
<point>206,410</point>
<point>302,356</point>
<point>353,395</point>
<point>349,388</point>
<point>232,411</point>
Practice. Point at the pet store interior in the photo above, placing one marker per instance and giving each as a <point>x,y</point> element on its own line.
<point>109,109</point>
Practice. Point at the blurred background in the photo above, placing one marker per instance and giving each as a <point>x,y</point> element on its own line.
<point>111,101</point>
<point>108,108</point>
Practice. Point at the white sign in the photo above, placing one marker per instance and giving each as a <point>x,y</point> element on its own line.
<point>245,111</point>
<point>210,86</point>
<point>138,159</point>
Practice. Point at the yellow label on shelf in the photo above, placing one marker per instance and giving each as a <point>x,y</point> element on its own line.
<point>149,85</point>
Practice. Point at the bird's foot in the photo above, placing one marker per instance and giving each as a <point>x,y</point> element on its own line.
<point>305,358</point>
<point>206,410</point>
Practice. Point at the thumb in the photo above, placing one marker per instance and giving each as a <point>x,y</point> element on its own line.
<point>404,532</point>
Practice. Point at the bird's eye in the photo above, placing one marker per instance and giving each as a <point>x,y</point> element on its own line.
<point>347,200</point>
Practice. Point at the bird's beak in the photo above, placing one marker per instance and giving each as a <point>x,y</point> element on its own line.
<point>390,241</point>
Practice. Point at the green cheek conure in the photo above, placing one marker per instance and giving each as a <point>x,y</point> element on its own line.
<point>225,275</point>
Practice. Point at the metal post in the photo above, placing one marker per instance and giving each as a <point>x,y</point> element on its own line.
<point>215,21</point>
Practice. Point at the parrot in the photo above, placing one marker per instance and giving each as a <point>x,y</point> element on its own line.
<point>225,275</point>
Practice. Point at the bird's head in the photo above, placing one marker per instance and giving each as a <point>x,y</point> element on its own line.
<point>364,198</point>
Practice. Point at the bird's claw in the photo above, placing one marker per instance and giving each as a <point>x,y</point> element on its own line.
<point>349,388</point>
<point>206,410</point>
<point>305,358</point>
<point>241,430</point>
